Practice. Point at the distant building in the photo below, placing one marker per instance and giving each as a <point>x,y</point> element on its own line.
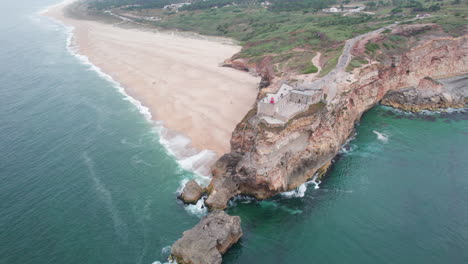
<point>344,9</point>
<point>175,7</point>
<point>423,15</point>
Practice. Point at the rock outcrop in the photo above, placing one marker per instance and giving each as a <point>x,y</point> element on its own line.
<point>208,240</point>
<point>268,159</point>
<point>430,95</point>
<point>192,192</point>
<point>262,68</point>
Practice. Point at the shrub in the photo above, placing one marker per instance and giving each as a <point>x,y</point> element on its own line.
<point>372,47</point>
<point>396,10</point>
<point>310,69</point>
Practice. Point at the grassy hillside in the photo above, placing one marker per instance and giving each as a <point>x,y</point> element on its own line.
<point>288,30</point>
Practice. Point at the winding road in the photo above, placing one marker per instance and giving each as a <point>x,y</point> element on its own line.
<point>329,81</point>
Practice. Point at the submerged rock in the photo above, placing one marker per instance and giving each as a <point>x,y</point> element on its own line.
<point>192,192</point>
<point>208,240</point>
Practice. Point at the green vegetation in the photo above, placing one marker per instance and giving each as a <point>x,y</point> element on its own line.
<point>311,69</point>
<point>371,47</point>
<point>290,31</point>
<point>265,32</point>
<point>302,5</point>
<point>129,4</point>
<point>452,25</point>
<point>356,63</point>
<point>331,61</point>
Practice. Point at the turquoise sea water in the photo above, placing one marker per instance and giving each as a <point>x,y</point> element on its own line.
<point>84,178</point>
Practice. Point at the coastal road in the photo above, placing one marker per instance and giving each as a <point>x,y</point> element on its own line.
<point>329,82</point>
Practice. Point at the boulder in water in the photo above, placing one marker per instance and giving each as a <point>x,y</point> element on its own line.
<point>192,192</point>
<point>208,240</point>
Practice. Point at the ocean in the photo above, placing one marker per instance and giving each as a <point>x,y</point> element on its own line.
<point>85,177</point>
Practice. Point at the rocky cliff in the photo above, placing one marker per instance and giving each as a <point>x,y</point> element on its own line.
<point>266,160</point>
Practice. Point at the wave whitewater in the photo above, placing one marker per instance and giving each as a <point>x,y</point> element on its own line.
<point>176,144</point>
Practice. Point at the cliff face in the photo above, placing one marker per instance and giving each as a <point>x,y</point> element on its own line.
<point>266,160</point>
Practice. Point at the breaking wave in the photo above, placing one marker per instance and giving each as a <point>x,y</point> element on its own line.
<point>165,253</point>
<point>199,209</point>
<point>301,190</point>
<point>347,146</point>
<point>177,145</point>
<point>381,136</point>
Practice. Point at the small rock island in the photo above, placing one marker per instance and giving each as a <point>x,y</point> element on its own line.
<point>208,240</point>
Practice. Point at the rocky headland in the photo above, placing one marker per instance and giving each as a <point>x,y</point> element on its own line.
<point>429,73</point>
<point>269,159</point>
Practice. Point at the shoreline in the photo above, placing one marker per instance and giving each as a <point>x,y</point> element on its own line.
<point>184,155</point>
<point>194,129</point>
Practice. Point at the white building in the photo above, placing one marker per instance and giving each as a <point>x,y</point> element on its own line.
<point>287,102</point>
<point>344,9</point>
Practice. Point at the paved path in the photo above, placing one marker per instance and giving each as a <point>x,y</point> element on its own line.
<point>329,80</point>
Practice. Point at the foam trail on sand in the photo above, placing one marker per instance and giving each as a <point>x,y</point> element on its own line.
<point>381,136</point>
<point>177,145</point>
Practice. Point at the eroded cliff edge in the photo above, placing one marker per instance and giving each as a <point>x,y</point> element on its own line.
<point>268,159</point>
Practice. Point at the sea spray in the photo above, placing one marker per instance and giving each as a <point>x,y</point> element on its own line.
<point>381,136</point>
<point>301,190</point>
<point>199,209</point>
<point>347,147</point>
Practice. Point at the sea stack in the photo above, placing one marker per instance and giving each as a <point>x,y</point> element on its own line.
<point>208,240</point>
<point>192,192</point>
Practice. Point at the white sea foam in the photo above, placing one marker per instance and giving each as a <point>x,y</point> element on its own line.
<point>168,262</point>
<point>175,144</point>
<point>165,253</point>
<point>189,158</point>
<point>347,147</point>
<point>301,190</point>
<point>105,195</point>
<point>381,136</point>
<point>199,209</point>
<point>447,110</point>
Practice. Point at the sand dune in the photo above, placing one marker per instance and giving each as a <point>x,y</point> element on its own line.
<point>177,77</point>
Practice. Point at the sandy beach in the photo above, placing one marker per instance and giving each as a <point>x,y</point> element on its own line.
<point>178,78</point>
